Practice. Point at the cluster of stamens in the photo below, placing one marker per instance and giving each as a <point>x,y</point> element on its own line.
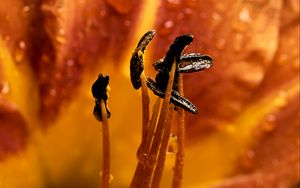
<point>167,85</point>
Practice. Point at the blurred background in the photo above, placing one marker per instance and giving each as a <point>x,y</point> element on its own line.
<point>245,135</point>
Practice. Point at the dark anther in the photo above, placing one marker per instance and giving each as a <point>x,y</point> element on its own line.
<point>97,111</point>
<point>173,53</point>
<point>175,97</point>
<point>137,62</point>
<point>99,91</point>
<point>189,63</point>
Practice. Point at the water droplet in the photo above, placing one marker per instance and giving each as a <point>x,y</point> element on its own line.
<point>60,10</point>
<point>168,24</point>
<point>142,157</point>
<point>221,43</point>
<point>127,23</point>
<point>111,177</point>
<point>167,27</point>
<point>172,144</point>
<point>60,39</point>
<point>52,92</point>
<point>244,15</point>
<point>22,45</point>
<point>271,118</point>
<point>246,160</point>
<point>180,16</point>
<point>4,87</point>
<point>70,62</point>
<point>281,99</point>
<point>26,8</point>
<point>188,12</point>
<point>173,4</point>
<point>7,38</point>
<point>268,126</point>
<point>19,52</point>
<point>216,16</point>
<point>61,31</point>
<point>103,13</point>
<point>250,154</point>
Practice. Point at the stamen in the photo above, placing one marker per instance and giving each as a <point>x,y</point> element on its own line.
<point>146,143</point>
<point>151,160</point>
<point>145,105</point>
<point>101,112</point>
<point>138,78</point>
<point>106,148</point>
<point>143,151</point>
<point>163,150</point>
<point>189,63</point>
<point>178,169</point>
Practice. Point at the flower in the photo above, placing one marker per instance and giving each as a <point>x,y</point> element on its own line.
<point>247,130</point>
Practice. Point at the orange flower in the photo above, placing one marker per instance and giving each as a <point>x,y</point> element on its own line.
<point>247,130</point>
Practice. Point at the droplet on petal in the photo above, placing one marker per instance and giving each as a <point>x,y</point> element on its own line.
<point>4,87</point>
<point>244,15</point>
<point>19,52</point>
<point>166,27</point>
<point>173,4</point>
<point>53,92</point>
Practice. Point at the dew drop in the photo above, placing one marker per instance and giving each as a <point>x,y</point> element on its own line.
<point>26,9</point>
<point>244,15</point>
<point>19,52</point>
<point>7,38</point>
<point>281,99</point>
<point>221,43</point>
<point>168,24</point>
<point>4,87</point>
<point>188,12</point>
<point>167,27</point>
<point>60,39</point>
<point>216,16</point>
<point>268,126</point>
<point>271,118</point>
<point>103,13</point>
<point>22,45</point>
<point>142,157</point>
<point>111,177</point>
<point>173,4</point>
<point>250,154</point>
<point>247,160</point>
<point>172,144</point>
<point>61,31</point>
<point>52,92</point>
<point>127,23</point>
<point>70,62</point>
